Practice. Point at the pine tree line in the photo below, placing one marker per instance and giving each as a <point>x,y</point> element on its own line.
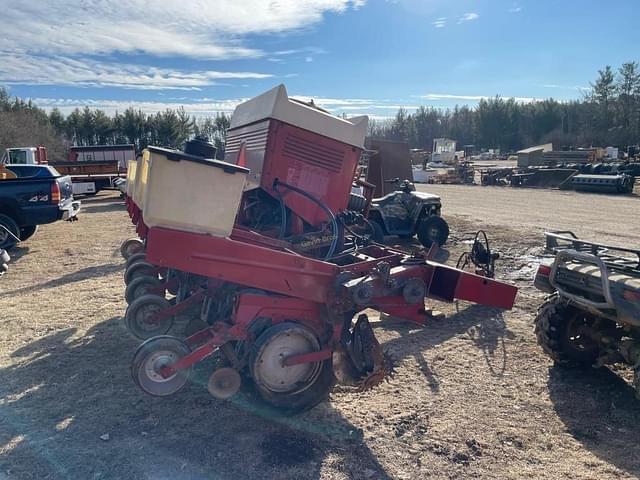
<point>609,114</point>
<point>169,128</point>
<point>24,124</point>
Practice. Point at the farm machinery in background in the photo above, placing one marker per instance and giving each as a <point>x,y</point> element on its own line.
<point>592,317</point>
<point>269,252</point>
<point>92,168</point>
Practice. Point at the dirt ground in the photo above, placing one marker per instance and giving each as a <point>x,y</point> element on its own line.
<point>473,396</point>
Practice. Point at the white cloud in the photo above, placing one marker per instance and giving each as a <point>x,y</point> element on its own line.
<point>515,9</point>
<point>211,29</point>
<point>566,87</point>
<point>27,69</point>
<point>468,17</point>
<point>440,22</point>
<point>472,98</point>
<point>201,109</point>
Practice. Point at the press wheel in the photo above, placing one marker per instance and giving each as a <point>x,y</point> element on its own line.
<point>151,357</point>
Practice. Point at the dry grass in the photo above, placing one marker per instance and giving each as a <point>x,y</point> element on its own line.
<point>473,396</point>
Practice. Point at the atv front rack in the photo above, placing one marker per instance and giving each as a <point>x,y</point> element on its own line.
<point>625,260</point>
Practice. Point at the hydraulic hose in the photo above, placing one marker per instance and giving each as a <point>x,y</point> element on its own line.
<point>283,212</point>
<point>317,201</point>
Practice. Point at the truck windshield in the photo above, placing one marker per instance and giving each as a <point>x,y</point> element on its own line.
<point>17,157</point>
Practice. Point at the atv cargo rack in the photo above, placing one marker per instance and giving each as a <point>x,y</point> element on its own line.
<point>593,275</point>
<point>621,259</point>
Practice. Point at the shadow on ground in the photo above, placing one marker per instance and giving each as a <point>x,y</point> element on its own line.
<point>64,392</point>
<point>599,409</point>
<point>17,252</point>
<point>77,276</point>
<point>484,325</point>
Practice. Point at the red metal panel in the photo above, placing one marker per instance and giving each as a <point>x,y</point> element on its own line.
<point>448,284</point>
<point>318,165</point>
<point>280,309</point>
<point>242,263</point>
<point>485,291</point>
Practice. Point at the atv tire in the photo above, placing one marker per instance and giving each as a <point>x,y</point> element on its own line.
<point>636,381</point>
<point>377,232</point>
<point>433,230</point>
<point>557,325</point>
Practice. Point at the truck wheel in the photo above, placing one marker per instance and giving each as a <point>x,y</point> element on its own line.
<point>28,232</point>
<point>7,241</point>
<point>636,381</point>
<point>562,332</point>
<point>432,230</point>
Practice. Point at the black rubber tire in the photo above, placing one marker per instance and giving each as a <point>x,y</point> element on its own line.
<point>433,229</point>
<point>378,232</point>
<point>134,317</point>
<point>141,286</point>
<point>131,246</point>
<point>139,269</point>
<point>136,257</point>
<point>553,331</point>
<point>297,402</point>
<point>148,348</point>
<point>7,242</point>
<point>27,232</point>
<point>636,381</point>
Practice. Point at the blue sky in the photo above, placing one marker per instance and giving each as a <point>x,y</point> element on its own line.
<point>353,56</point>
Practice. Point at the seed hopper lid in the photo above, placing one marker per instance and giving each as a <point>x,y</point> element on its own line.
<point>276,104</point>
<point>178,156</point>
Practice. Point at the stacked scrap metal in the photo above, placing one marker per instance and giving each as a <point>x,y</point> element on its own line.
<point>572,156</point>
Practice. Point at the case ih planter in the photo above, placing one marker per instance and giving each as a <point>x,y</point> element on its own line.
<point>282,289</point>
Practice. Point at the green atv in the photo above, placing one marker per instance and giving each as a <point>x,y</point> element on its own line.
<point>592,317</point>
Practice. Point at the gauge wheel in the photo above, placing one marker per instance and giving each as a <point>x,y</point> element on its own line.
<point>131,246</point>
<point>291,389</point>
<point>151,357</point>
<point>139,286</point>
<point>138,318</point>
<point>433,230</point>
<point>135,258</point>
<point>139,269</point>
